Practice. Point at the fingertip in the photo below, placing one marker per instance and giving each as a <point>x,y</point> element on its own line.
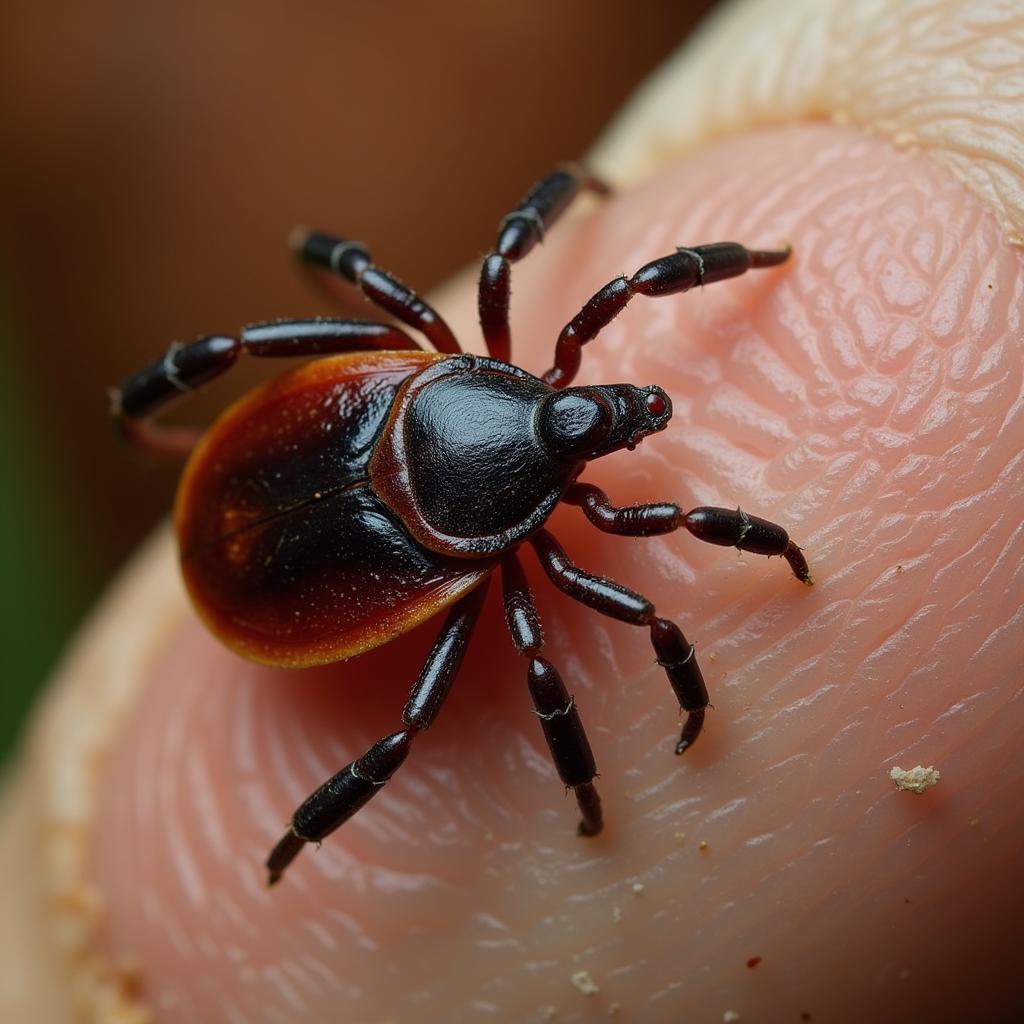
<point>467,841</point>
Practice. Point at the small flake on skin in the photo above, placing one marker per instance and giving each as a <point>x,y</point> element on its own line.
<point>585,983</point>
<point>915,780</point>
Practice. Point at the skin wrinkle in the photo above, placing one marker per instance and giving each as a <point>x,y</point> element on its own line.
<point>940,77</point>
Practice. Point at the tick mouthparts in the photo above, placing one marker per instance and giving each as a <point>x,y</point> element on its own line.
<point>658,405</point>
<point>638,413</point>
<point>657,402</point>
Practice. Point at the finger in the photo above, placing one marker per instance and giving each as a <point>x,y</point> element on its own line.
<point>802,689</point>
<point>787,406</point>
<point>935,79</point>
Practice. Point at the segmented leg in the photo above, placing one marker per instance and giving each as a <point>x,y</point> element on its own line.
<point>520,610</point>
<point>518,233</point>
<point>555,708</point>
<point>352,261</point>
<point>674,654</point>
<point>677,272</point>
<point>723,526</point>
<point>185,368</point>
<point>357,783</point>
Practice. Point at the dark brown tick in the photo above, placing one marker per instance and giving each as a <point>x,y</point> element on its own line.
<point>350,499</point>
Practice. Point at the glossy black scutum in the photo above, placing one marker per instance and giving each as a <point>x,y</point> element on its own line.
<point>477,463</point>
<point>490,449</point>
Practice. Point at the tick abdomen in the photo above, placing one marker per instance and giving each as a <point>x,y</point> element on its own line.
<point>287,552</point>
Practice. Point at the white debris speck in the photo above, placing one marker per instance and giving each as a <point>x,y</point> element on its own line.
<point>585,983</point>
<point>730,1016</point>
<point>917,780</point>
<point>638,887</point>
<point>547,1013</point>
<point>616,915</point>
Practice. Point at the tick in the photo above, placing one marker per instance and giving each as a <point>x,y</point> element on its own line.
<point>352,498</point>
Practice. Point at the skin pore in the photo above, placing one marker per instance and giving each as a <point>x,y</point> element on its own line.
<point>867,396</point>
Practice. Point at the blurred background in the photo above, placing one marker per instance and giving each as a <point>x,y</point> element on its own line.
<point>155,157</point>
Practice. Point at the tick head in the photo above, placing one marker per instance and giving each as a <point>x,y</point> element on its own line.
<point>588,422</point>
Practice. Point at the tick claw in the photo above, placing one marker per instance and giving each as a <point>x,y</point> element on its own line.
<point>795,556</point>
<point>282,855</point>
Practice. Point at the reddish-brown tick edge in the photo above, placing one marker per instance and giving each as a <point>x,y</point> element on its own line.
<point>350,499</point>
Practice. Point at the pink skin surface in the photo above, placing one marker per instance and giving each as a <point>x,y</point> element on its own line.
<point>868,396</point>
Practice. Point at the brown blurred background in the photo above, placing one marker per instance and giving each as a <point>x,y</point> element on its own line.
<point>155,157</point>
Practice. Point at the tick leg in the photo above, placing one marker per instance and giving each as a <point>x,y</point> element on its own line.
<point>678,272</point>
<point>323,336</point>
<point>352,261</point>
<point>723,526</point>
<point>520,611</point>
<point>181,370</point>
<point>567,741</point>
<point>186,368</point>
<point>735,528</point>
<point>341,796</point>
<point>679,660</point>
<point>560,721</point>
<point>519,232</point>
<point>671,649</point>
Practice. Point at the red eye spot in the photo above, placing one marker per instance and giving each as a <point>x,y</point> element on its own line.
<point>656,404</point>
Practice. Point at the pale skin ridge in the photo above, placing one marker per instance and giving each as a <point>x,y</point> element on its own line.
<point>942,77</point>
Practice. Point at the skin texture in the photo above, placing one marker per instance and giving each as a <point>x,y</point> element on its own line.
<point>868,396</point>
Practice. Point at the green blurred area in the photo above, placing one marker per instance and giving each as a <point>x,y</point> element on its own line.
<point>46,583</point>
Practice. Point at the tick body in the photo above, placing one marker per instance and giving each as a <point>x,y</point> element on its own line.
<point>364,492</point>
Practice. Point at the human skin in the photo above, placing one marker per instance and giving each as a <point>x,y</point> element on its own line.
<point>867,395</point>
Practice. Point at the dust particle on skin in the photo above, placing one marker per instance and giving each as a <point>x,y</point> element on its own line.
<point>638,887</point>
<point>703,844</point>
<point>915,780</point>
<point>730,1016</point>
<point>83,901</point>
<point>585,983</point>
<point>616,915</point>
